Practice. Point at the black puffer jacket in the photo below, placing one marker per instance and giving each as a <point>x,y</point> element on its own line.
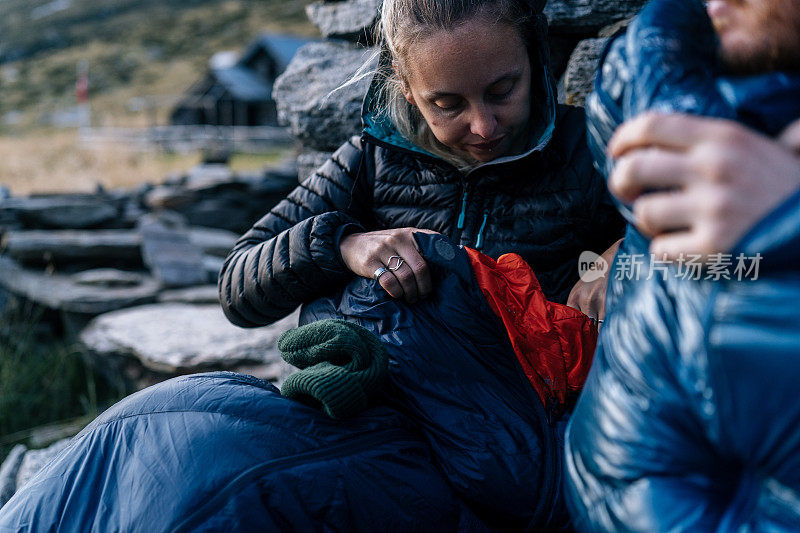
<point>548,205</point>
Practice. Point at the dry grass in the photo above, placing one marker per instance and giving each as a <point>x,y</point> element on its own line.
<point>55,161</point>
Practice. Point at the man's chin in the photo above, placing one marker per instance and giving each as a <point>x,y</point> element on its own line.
<point>750,62</point>
<point>761,47</point>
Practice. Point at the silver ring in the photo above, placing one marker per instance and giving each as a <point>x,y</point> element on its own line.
<point>396,265</point>
<point>379,272</point>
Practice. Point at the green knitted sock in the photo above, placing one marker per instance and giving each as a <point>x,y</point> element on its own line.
<point>342,365</point>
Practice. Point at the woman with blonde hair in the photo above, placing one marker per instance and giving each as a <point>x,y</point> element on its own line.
<point>463,136</point>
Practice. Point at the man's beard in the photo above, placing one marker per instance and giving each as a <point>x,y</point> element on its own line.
<point>774,46</point>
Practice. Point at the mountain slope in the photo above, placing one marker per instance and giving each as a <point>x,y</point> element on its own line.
<point>133,48</point>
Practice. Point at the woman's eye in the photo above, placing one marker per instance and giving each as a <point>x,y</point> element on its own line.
<point>502,89</point>
<point>447,105</point>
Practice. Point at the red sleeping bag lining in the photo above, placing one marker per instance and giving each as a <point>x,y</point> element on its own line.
<point>553,342</point>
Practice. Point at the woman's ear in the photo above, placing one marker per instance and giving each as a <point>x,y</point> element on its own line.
<point>408,95</point>
<point>404,85</point>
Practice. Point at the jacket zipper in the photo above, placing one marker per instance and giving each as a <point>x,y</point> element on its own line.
<point>479,240</point>
<point>463,214</point>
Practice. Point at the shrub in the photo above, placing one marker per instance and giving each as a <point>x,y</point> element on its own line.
<point>44,379</point>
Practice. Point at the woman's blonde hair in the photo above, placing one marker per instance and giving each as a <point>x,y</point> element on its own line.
<point>405,22</point>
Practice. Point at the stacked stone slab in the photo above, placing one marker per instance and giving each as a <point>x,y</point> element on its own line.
<point>320,94</point>
<point>82,256</point>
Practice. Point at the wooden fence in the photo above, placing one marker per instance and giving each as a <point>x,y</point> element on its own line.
<point>189,138</point>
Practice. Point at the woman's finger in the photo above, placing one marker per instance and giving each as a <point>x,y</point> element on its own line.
<point>391,284</point>
<point>408,282</point>
<point>418,267</point>
<point>648,169</point>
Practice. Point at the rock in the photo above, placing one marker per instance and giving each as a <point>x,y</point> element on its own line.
<point>61,292</point>
<point>46,435</point>
<point>40,246</point>
<point>208,175</point>
<point>172,338</point>
<point>35,460</point>
<point>226,211</point>
<point>170,254</point>
<point>285,169</point>
<point>6,300</point>
<point>580,74</point>
<point>586,16</point>
<point>168,197</point>
<point>308,162</point>
<point>321,111</point>
<point>562,99</point>
<point>213,241</point>
<point>76,211</point>
<point>131,213</point>
<point>234,205</point>
<point>8,473</point>
<point>108,277</point>
<point>353,20</point>
<point>99,247</point>
<point>9,221</point>
<point>609,31</point>
<point>205,294</point>
<point>212,265</point>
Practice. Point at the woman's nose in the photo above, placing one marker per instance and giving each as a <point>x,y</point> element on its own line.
<point>483,122</point>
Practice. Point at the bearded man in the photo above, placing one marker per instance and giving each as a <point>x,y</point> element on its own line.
<point>689,420</point>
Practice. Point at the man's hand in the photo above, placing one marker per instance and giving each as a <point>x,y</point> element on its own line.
<point>697,184</point>
<point>365,253</point>
<point>590,297</point>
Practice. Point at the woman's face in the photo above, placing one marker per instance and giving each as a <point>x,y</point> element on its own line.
<point>472,86</point>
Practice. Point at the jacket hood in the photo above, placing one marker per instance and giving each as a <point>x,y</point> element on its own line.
<point>543,96</point>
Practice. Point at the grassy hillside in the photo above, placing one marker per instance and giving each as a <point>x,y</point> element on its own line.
<point>137,51</point>
<point>133,48</point>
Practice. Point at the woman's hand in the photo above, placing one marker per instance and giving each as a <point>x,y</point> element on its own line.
<point>589,297</point>
<point>365,253</point>
<point>697,184</point>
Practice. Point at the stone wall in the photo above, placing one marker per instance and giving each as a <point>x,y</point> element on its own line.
<point>139,268</point>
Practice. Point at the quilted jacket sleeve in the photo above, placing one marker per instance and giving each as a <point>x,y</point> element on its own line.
<point>291,255</point>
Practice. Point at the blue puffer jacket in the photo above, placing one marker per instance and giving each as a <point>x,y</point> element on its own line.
<point>460,442</point>
<point>689,420</point>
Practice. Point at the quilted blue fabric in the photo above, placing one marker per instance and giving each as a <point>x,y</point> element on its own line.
<point>689,420</point>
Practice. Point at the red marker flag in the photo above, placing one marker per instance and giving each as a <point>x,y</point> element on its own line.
<point>82,84</point>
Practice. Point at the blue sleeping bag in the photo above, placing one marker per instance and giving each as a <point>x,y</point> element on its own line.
<point>459,442</point>
<point>689,420</point>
